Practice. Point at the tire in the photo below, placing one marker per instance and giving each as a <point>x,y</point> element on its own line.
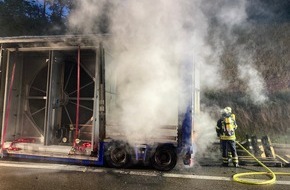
<point>164,158</point>
<point>118,155</point>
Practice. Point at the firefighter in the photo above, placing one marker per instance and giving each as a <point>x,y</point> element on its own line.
<point>225,129</point>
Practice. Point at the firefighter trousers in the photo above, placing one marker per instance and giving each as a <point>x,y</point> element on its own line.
<point>229,146</point>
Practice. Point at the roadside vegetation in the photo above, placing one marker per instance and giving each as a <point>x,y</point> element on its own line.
<point>270,45</point>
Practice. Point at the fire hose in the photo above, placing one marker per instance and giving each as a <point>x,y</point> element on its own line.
<point>269,172</point>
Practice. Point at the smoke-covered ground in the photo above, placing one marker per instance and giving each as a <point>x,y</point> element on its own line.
<point>151,39</point>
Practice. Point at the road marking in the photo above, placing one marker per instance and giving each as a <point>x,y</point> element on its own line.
<point>124,172</point>
<point>198,177</point>
<point>49,166</point>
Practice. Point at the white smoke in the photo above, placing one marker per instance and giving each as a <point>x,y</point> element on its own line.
<point>86,15</point>
<point>232,13</point>
<point>230,16</point>
<point>251,76</point>
<point>154,38</point>
<point>149,39</point>
<point>204,131</point>
<point>148,69</point>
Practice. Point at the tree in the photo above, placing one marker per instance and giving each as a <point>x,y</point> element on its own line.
<point>30,17</point>
<point>57,12</point>
<point>21,17</point>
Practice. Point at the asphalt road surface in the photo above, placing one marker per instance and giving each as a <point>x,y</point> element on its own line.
<point>27,175</point>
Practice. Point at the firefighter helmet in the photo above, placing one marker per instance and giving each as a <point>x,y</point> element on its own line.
<point>228,110</point>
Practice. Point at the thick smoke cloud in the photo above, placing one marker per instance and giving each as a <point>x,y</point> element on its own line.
<point>231,16</point>
<point>149,41</point>
<point>252,77</point>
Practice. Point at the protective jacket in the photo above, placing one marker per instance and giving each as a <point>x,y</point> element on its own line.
<point>226,127</point>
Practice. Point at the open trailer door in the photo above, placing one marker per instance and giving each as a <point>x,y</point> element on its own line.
<point>50,105</point>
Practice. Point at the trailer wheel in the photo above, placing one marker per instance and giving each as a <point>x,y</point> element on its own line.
<point>118,155</point>
<point>164,158</point>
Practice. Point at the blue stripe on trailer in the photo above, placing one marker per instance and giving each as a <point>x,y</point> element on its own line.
<point>98,162</point>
